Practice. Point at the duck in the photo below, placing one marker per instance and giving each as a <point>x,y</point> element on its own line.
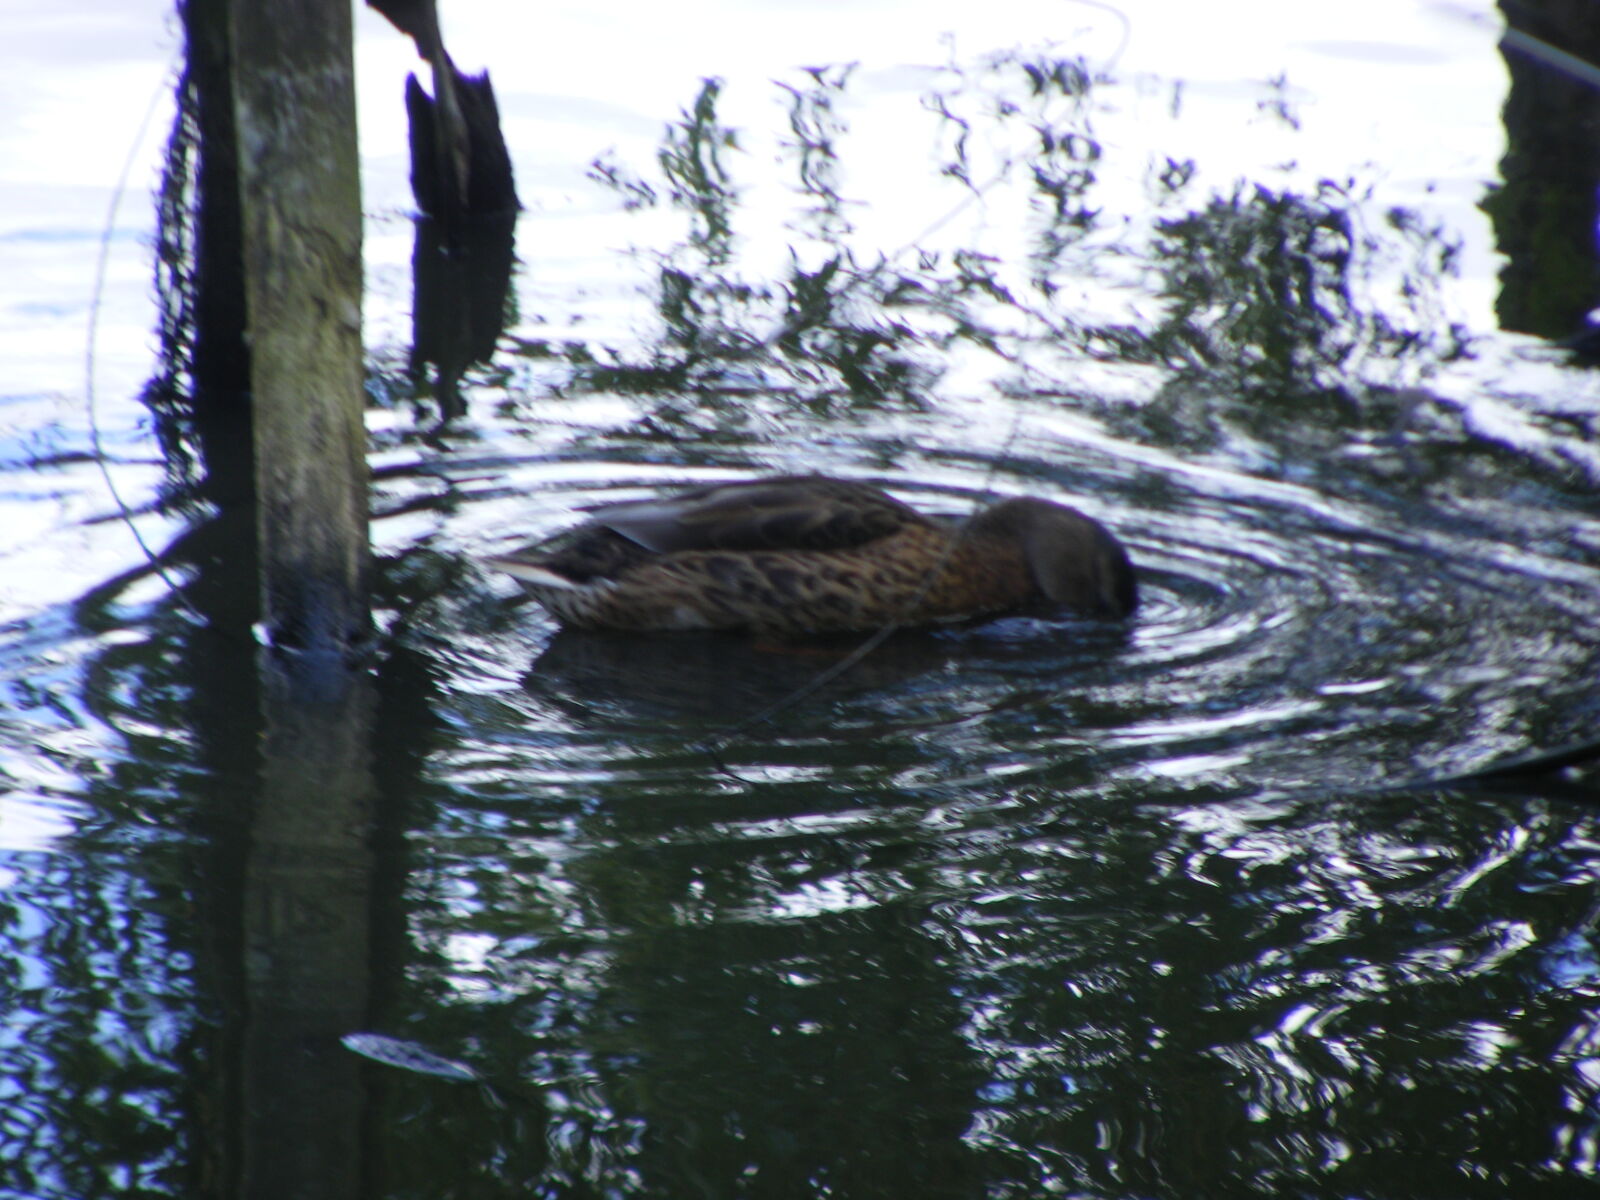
<point>793,555</point>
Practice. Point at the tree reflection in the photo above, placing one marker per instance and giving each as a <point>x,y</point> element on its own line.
<point>1265,299</point>
<point>820,340</point>
<point>1270,303</point>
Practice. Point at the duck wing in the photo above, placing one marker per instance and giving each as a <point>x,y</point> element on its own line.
<point>811,512</point>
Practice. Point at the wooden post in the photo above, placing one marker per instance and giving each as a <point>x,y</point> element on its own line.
<point>300,202</point>
<point>278,400</point>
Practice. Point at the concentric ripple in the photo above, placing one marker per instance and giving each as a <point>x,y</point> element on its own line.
<point>1284,639</point>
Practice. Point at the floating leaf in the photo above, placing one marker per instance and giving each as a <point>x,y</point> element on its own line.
<point>408,1056</point>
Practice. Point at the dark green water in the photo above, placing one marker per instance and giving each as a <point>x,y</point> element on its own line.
<point>1212,905</point>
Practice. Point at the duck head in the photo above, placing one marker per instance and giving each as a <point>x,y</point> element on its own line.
<point>1074,560</point>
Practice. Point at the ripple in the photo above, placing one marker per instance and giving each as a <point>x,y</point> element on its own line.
<point>1279,627</point>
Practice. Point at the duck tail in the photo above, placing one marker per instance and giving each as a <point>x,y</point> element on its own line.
<point>535,574</point>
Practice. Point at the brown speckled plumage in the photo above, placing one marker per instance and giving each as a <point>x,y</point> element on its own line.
<point>809,554</point>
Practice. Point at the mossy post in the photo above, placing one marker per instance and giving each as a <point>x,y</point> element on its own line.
<point>278,371</point>
<point>300,200</point>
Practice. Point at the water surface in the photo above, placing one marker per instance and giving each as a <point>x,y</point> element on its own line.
<point>1210,904</point>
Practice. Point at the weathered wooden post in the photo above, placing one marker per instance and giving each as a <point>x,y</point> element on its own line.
<point>300,201</point>
<point>462,180</point>
<point>278,369</point>
<point>1545,211</point>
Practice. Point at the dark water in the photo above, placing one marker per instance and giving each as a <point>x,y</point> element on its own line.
<point>1217,904</point>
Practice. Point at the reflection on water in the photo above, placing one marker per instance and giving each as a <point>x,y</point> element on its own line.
<point>1039,906</point>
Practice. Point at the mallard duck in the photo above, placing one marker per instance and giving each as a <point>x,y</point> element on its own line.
<point>808,554</point>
